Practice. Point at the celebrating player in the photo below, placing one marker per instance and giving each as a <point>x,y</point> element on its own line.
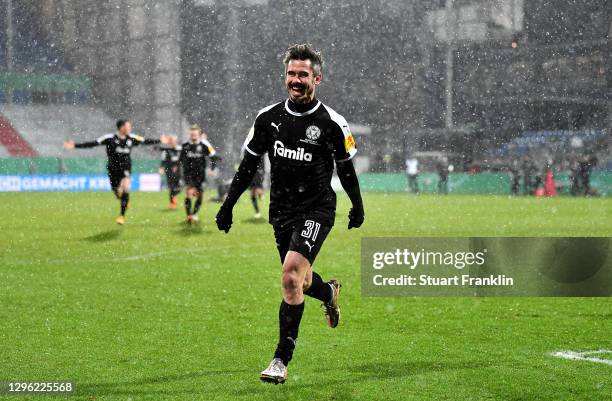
<point>119,150</point>
<point>193,159</point>
<point>256,185</point>
<point>170,166</point>
<point>303,138</point>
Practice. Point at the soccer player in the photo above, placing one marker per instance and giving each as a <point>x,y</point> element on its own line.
<point>119,150</point>
<point>193,159</point>
<point>257,190</point>
<point>412,170</point>
<point>443,175</point>
<point>170,166</point>
<point>304,139</point>
<point>256,185</point>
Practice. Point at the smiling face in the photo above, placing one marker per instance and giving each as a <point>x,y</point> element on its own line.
<point>194,135</point>
<point>301,81</point>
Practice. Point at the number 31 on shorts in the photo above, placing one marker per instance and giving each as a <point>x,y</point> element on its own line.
<point>311,229</point>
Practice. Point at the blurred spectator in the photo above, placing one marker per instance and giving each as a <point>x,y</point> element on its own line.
<point>585,167</point>
<point>412,170</point>
<point>574,177</point>
<point>515,175</point>
<point>443,173</point>
<point>529,171</point>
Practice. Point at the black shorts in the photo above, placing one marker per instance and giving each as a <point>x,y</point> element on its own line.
<point>173,180</point>
<point>258,180</point>
<point>115,177</point>
<point>195,180</point>
<point>304,236</point>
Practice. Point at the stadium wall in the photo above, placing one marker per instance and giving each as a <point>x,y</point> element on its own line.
<point>458,183</point>
<point>56,165</point>
<point>465,183</point>
<point>74,183</point>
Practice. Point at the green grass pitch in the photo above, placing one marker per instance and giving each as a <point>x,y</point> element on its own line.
<point>158,311</point>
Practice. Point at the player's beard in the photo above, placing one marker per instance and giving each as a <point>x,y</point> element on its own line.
<point>305,96</point>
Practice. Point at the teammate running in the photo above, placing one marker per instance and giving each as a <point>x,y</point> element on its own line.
<point>193,159</point>
<point>119,150</point>
<point>256,185</point>
<point>303,138</point>
<point>171,169</point>
<point>257,190</point>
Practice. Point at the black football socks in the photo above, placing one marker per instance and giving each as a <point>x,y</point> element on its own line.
<point>289,317</point>
<point>255,204</point>
<point>198,203</point>
<point>188,206</point>
<point>125,199</point>
<point>319,289</point>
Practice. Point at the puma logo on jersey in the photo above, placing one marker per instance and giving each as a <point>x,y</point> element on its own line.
<point>276,126</point>
<point>309,246</point>
<point>294,154</point>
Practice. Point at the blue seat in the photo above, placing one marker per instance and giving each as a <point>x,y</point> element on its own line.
<point>22,97</point>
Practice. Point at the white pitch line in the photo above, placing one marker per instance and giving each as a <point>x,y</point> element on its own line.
<point>584,356</point>
<point>126,258</point>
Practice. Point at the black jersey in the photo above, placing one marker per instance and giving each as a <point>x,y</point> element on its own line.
<point>118,150</point>
<point>193,157</point>
<point>302,147</point>
<point>170,157</point>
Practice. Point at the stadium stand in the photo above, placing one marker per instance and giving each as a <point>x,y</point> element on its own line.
<point>45,127</point>
<point>559,147</point>
<point>33,51</point>
<point>2,48</point>
<point>3,152</point>
<point>562,140</point>
<point>42,101</point>
<point>12,141</point>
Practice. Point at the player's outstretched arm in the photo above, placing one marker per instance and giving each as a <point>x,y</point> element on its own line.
<point>242,179</point>
<point>163,139</point>
<point>350,183</point>
<point>72,145</point>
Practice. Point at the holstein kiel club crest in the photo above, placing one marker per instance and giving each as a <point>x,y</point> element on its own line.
<point>313,132</point>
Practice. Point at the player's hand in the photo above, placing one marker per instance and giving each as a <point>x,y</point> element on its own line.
<point>356,217</point>
<point>69,145</point>
<point>224,219</point>
<point>161,171</point>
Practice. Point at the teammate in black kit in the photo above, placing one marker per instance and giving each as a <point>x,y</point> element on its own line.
<point>193,159</point>
<point>257,189</point>
<point>256,186</point>
<point>119,149</point>
<point>304,139</point>
<point>170,167</point>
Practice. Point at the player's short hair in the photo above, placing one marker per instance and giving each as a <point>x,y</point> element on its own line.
<point>305,52</point>
<point>195,127</point>
<point>121,123</point>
